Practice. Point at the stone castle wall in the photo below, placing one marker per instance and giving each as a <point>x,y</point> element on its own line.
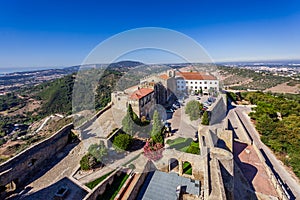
<point>27,163</point>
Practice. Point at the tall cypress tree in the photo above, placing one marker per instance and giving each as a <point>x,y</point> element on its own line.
<point>205,119</point>
<point>156,134</point>
<point>127,122</point>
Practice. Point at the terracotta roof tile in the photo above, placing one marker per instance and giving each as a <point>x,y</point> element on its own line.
<point>138,94</point>
<point>164,76</point>
<point>196,76</point>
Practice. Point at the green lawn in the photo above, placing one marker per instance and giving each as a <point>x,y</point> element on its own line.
<point>187,168</point>
<point>184,145</point>
<point>95,182</point>
<point>112,191</point>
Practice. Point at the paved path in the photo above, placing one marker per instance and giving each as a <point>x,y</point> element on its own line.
<point>278,166</point>
<point>63,168</point>
<point>181,124</point>
<point>253,169</point>
<point>108,168</point>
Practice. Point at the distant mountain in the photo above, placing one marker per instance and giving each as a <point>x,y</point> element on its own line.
<point>126,63</point>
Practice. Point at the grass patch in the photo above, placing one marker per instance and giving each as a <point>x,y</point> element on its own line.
<point>187,168</point>
<point>114,188</point>
<point>186,145</point>
<point>95,182</point>
<point>175,141</point>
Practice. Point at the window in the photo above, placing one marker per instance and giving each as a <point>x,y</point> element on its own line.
<point>186,82</point>
<point>191,82</point>
<point>200,82</point>
<point>205,87</point>
<point>215,82</point>
<point>195,87</point>
<point>192,87</point>
<point>205,82</point>
<point>196,82</point>
<point>182,86</point>
<point>119,99</point>
<point>210,83</point>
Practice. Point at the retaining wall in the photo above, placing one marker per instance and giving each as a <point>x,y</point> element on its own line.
<point>88,122</point>
<point>101,187</point>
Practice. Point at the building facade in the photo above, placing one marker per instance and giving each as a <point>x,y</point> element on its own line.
<point>192,82</point>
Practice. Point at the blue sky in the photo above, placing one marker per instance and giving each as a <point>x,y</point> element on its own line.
<point>62,33</point>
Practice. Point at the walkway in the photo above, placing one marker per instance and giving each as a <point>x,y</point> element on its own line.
<point>277,165</point>
<point>108,168</point>
<point>253,169</point>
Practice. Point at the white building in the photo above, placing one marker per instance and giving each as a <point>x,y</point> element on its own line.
<point>195,81</point>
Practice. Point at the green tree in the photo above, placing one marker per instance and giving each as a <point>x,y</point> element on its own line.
<point>98,151</point>
<point>122,142</point>
<point>133,115</point>
<point>193,109</point>
<point>205,119</point>
<point>201,91</point>
<point>128,123</point>
<point>156,132</point>
<point>87,162</point>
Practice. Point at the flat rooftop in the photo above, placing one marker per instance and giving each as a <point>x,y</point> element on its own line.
<point>161,186</point>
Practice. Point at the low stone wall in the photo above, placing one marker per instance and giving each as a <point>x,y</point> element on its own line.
<point>271,175</point>
<point>88,122</point>
<point>100,189</point>
<point>239,129</point>
<point>245,129</point>
<point>218,190</point>
<point>24,165</point>
<point>140,181</point>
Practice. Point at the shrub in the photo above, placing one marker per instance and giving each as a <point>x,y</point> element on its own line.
<point>84,162</point>
<point>122,142</point>
<point>153,151</point>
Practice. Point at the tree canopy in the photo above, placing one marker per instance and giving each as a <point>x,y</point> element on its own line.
<point>193,109</point>
<point>122,142</point>
<point>98,151</point>
<point>277,119</point>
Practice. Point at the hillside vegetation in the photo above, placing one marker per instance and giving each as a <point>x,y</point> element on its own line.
<point>277,118</point>
<point>243,79</point>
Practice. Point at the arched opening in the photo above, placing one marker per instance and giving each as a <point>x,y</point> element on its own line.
<point>187,168</point>
<point>173,165</point>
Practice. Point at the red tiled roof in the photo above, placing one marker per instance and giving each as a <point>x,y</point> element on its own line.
<point>138,94</point>
<point>164,76</point>
<point>196,76</point>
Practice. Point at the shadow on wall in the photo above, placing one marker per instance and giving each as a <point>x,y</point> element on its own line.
<point>284,185</point>
<point>62,189</point>
<point>218,113</point>
<point>47,165</point>
<point>249,171</point>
